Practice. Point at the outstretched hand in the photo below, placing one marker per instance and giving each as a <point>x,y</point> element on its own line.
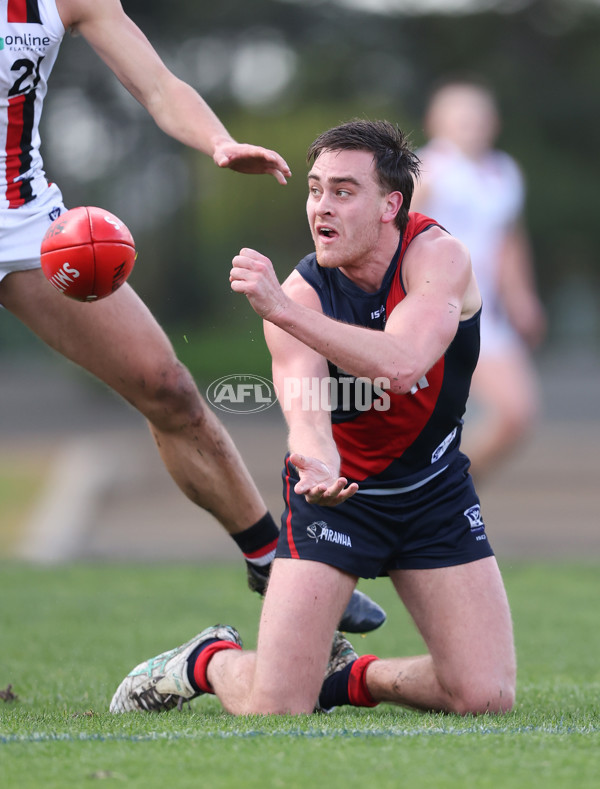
<point>251,159</point>
<point>318,484</point>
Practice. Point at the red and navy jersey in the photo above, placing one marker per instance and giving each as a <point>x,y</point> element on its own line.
<point>30,36</point>
<point>387,440</point>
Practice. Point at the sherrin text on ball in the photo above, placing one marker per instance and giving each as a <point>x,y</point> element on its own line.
<point>87,253</point>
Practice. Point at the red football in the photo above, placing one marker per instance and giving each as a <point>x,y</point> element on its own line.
<point>87,253</point>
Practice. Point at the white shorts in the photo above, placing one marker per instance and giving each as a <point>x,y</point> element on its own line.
<point>22,230</point>
<point>498,337</point>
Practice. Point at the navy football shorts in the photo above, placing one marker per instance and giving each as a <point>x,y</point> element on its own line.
<point>436,525</point>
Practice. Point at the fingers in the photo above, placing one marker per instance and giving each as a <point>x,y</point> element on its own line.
<point>250,255</point>
<point>244,262</point>
<point>249,151</point>
<point>338,492</point>
<point>253,159</point>
<point>252,274</point>
<point>327,496</point>
<point>279,176</point>
<point>315,482</point>
<point>331,498</point>
<point>281,169</point>
<point>281,164</point>
<point>281,172</point>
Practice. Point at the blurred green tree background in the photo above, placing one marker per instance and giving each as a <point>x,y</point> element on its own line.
<point>280,71</point>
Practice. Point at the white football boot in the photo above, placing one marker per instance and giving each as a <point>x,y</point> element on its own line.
<point>161,683</point>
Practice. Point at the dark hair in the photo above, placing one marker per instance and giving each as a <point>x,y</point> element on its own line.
<point>396,165</point>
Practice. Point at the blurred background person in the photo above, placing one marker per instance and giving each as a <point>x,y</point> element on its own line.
<point>477,193</point>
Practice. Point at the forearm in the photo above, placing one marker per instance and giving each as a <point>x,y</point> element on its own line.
<point>174,105</point>
<point>315,456</point>
<point>314,440</point>
<point>183,114</point>
<point>357,350</point>
<point>300,385</point>
<point>418,330</point>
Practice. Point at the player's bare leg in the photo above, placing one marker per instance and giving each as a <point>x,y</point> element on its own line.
<point>284,676</point>
<point>463,615</point>
<point>302,607</point>
<point>119,341</point>
<point>505,390</point>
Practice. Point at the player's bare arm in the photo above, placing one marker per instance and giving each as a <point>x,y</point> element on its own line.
<point>173,104</point>
<point>310,440</point>
<point>516,286</point>
<point>441,291</point>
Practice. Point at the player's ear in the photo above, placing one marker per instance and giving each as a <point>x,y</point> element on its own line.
<point>393,204</point>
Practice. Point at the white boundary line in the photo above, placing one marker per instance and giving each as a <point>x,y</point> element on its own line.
<point>43,737</point>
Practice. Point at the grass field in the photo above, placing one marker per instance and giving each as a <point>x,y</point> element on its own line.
<point>70,634</point>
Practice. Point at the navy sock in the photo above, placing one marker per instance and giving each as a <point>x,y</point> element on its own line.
<point>258,542</point>
<point>191,662</point>
<point>334,692</point>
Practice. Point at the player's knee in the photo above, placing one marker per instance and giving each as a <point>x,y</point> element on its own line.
<point>170,398</point>
<point>493,698</point>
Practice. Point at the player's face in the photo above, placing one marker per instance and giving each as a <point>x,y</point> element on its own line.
<point>467,115</point>
<point>344,207</point>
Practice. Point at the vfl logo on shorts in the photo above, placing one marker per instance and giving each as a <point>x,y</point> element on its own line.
<point>476,523</point>
<point>319,530</point>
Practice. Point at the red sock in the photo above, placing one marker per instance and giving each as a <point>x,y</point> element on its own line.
<point>358,693</point>
<point>201,664</point>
